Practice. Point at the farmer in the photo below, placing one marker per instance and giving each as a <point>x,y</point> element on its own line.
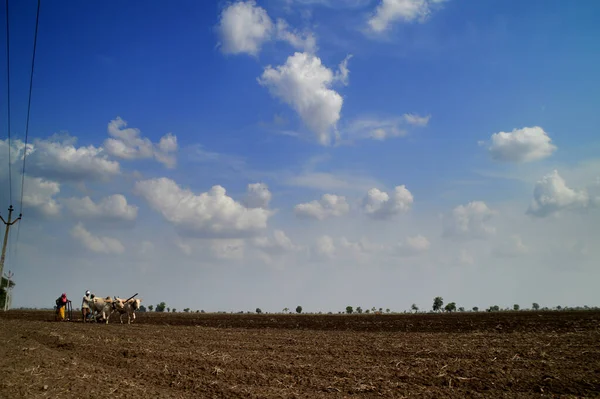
<point>61,303</point>
<point>85,306</point>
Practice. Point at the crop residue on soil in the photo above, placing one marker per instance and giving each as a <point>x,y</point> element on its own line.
<point>524,354</point>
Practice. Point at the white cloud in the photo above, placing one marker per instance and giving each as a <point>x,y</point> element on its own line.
<point>106,245</point>
<point>279,244</point>
<point>127,143</point>
<point>511,247</point>
<point>257,196</point>
<point>413,246</point>
<point>391,11</point>
<point>329,205</point>
<point>212,214</point>
<point>469,221</point>
<point>376,129</point>
<point>305,85</point>
<point>58,158</point>
<point>380,205</point>
<point>551,195</point>
<point>39,195</point>
<point>114,207</point>
<point>521,145</point>
<point>384,128</point>
<point>324,247</point>
<point>416,120</point>
<point>343,73</point>
<point>330,181</point>
<point>305,41</point>
<point>245,27</point>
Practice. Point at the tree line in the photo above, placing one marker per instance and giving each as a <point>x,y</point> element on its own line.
<point>437,307</point>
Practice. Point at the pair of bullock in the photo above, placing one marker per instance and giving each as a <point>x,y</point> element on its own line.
<point>106,307</point>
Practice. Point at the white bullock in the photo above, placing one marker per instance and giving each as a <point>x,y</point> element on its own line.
<point>127,307</point>
<point>103,306</point>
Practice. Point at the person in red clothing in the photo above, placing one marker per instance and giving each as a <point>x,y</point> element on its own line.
<point>61,304</point>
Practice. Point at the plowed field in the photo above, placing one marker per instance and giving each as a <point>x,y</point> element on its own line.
<point>462,355</point>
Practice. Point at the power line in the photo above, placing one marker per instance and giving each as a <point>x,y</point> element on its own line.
<point>37,20</point>
<point>8,105</point>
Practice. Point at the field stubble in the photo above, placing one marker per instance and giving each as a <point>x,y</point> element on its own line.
<point>520,354</point>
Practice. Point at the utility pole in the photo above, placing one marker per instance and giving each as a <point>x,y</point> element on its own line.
<point>8,223</point>
<point>8,291</point>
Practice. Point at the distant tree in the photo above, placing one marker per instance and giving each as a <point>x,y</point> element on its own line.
<point>142,308</point>
<point>186,310</point>
<point>285,310</point>
<point>197,311</point>
<point>461,309</point>
<point>174,310</point>
<point>168,310</point>
<point>367,311</point>
<point>258,311</point>
<point>349,309</point>
<point>161,307</point>
<point>535,306</point>
<point>380,310</point>
<point>475,309</point>
<point>150,308</point>
<point>414,307</point>
<point>298,309</point>
<point>438,303</point>
<point>358,310</point>
<point>202,311</point>
<point>373,309</point>
<point>558,307</point>
<point>387,310</point>
<point>451,307</point>
<point>516,306</point>
<point>494,308</point>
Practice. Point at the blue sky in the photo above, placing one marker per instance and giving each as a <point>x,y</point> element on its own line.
<point>308,98</point>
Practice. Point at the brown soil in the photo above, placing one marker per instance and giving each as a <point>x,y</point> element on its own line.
<point>520,354</point>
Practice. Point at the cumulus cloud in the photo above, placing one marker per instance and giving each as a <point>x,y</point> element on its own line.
<point>257,196</point>
<point>361,247</point>
<point>279,244</point>
<point>106,245</point>
<point>413,246</point>
<point>469,221</point>
<point>329,205</point>
<point>304,83</point>
<point>113,207</point>
<point>552,195</point>
<point>378,204</point>
<point>391,11</point>
<point>211,214</point>
<point>38,194</point>
<point>127,143</point>
<point>244,27</point>
<point>384,128</point>
<point>324,247</point>
<point>58,158</point>
<point>521,145</point>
